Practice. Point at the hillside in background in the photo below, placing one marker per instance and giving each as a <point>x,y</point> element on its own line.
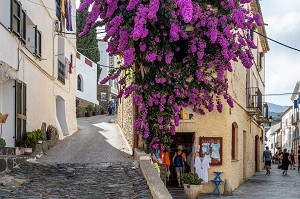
<point>275,111</point>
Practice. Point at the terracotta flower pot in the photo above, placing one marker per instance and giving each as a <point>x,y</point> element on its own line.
<point>192,191</point>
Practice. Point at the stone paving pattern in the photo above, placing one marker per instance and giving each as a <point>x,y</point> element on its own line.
<point>95,163</point>
<point>260,186</point>
<point>105,180</point>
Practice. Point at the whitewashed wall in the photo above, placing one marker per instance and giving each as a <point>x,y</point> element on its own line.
<point>89,80</point>
<point>40,75</point>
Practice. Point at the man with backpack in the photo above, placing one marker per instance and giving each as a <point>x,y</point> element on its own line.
<point>267,158</point>
<point>178,161</point>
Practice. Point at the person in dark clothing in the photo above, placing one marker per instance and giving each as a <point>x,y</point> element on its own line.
<point>292,158</point>
<point>279,156</point>
<point>285,161</point>
<point>267,158</point>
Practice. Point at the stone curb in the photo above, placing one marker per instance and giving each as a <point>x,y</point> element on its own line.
<point>155,184</point>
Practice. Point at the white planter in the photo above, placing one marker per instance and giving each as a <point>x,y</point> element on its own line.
<point>192,191</point>
<point>27,151</point>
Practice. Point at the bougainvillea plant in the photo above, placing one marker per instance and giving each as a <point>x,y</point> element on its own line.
<point>176,53</point>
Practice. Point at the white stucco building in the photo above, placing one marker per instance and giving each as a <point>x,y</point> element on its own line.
<point>37,83</point>
<point>109,90</point>
<point>296,118</point>
<point>86,81</point>
<point>286,128</point>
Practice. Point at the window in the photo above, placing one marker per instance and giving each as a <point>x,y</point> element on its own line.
<point>212,146</point>
<point>103,97</point>
<point>79,83</point>
<point>61,72</point>
<point>260,60</point>
<point>38,43</point>
<point>16,17</point>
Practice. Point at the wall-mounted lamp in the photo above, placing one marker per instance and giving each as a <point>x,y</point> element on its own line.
<point>270,119</point>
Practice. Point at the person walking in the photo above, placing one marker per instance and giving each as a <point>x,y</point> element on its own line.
<point>285,161</point>
<point>267,158</point>
<point>178,161</point>
<point>292,158</point>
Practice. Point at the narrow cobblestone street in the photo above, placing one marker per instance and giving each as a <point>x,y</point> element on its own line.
<point>261,186</point>
<point>95,162</point>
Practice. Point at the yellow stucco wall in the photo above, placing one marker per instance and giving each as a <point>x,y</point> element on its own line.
<point>216,124</point>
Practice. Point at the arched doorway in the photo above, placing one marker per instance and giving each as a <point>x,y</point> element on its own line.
<point>61,115</point>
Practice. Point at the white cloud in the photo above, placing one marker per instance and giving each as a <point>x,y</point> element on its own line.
<point>282,64</point>
<point>284,24</point>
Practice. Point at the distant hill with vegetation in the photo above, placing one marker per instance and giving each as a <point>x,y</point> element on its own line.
<point>276,111</point>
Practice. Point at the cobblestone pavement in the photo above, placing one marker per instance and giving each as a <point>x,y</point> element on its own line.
<point>106,180</point>
<point>262,186</point>
<point>93,163</point>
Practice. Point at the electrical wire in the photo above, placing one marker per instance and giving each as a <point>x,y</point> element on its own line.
<point>277,41</point>
<point>253,30</point>
<point>278,94</point>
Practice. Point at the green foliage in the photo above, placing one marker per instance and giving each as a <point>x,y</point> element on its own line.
<point>32,138</point>
<point>89,108</point>
<point>88,44</point>
<point>97,108</point>
<point>191,179</point>
<point>2,143</point>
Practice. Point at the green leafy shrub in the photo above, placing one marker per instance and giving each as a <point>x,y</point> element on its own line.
<point>191,179</point>
<point>2,143</point>
<point>32,138</point>
<point>89,108</point>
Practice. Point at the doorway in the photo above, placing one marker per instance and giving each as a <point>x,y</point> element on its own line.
<point>61,115</point>
<point>187,141</point>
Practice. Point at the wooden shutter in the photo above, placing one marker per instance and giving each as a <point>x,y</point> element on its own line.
<point>23,26</point>
<point>16,11</point>
<point>20,108</point>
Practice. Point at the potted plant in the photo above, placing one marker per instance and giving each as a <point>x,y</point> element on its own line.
<point>102,110</point>
<point>29,142</point>
<point>97,109</point>
<point>2,143</point>
<point>3,118</point>
<point>89,108</point>
<point>40,135</point>
<point>192,185</point>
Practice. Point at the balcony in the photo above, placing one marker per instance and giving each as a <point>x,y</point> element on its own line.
<point>254,101</point>
<point>61,72</point>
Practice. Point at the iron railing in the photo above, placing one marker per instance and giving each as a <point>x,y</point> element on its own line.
<point>254,98</point>
<point>61,72</point>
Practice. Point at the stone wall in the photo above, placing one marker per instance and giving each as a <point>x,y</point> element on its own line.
<point>9,162</point>
<point>103,89</point>
<point>125,118</point>
<point>81,107</point>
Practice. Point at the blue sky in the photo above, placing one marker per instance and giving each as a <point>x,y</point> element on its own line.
<point>282,64</point>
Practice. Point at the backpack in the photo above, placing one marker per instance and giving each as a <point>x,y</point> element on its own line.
<point>178,160</point>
